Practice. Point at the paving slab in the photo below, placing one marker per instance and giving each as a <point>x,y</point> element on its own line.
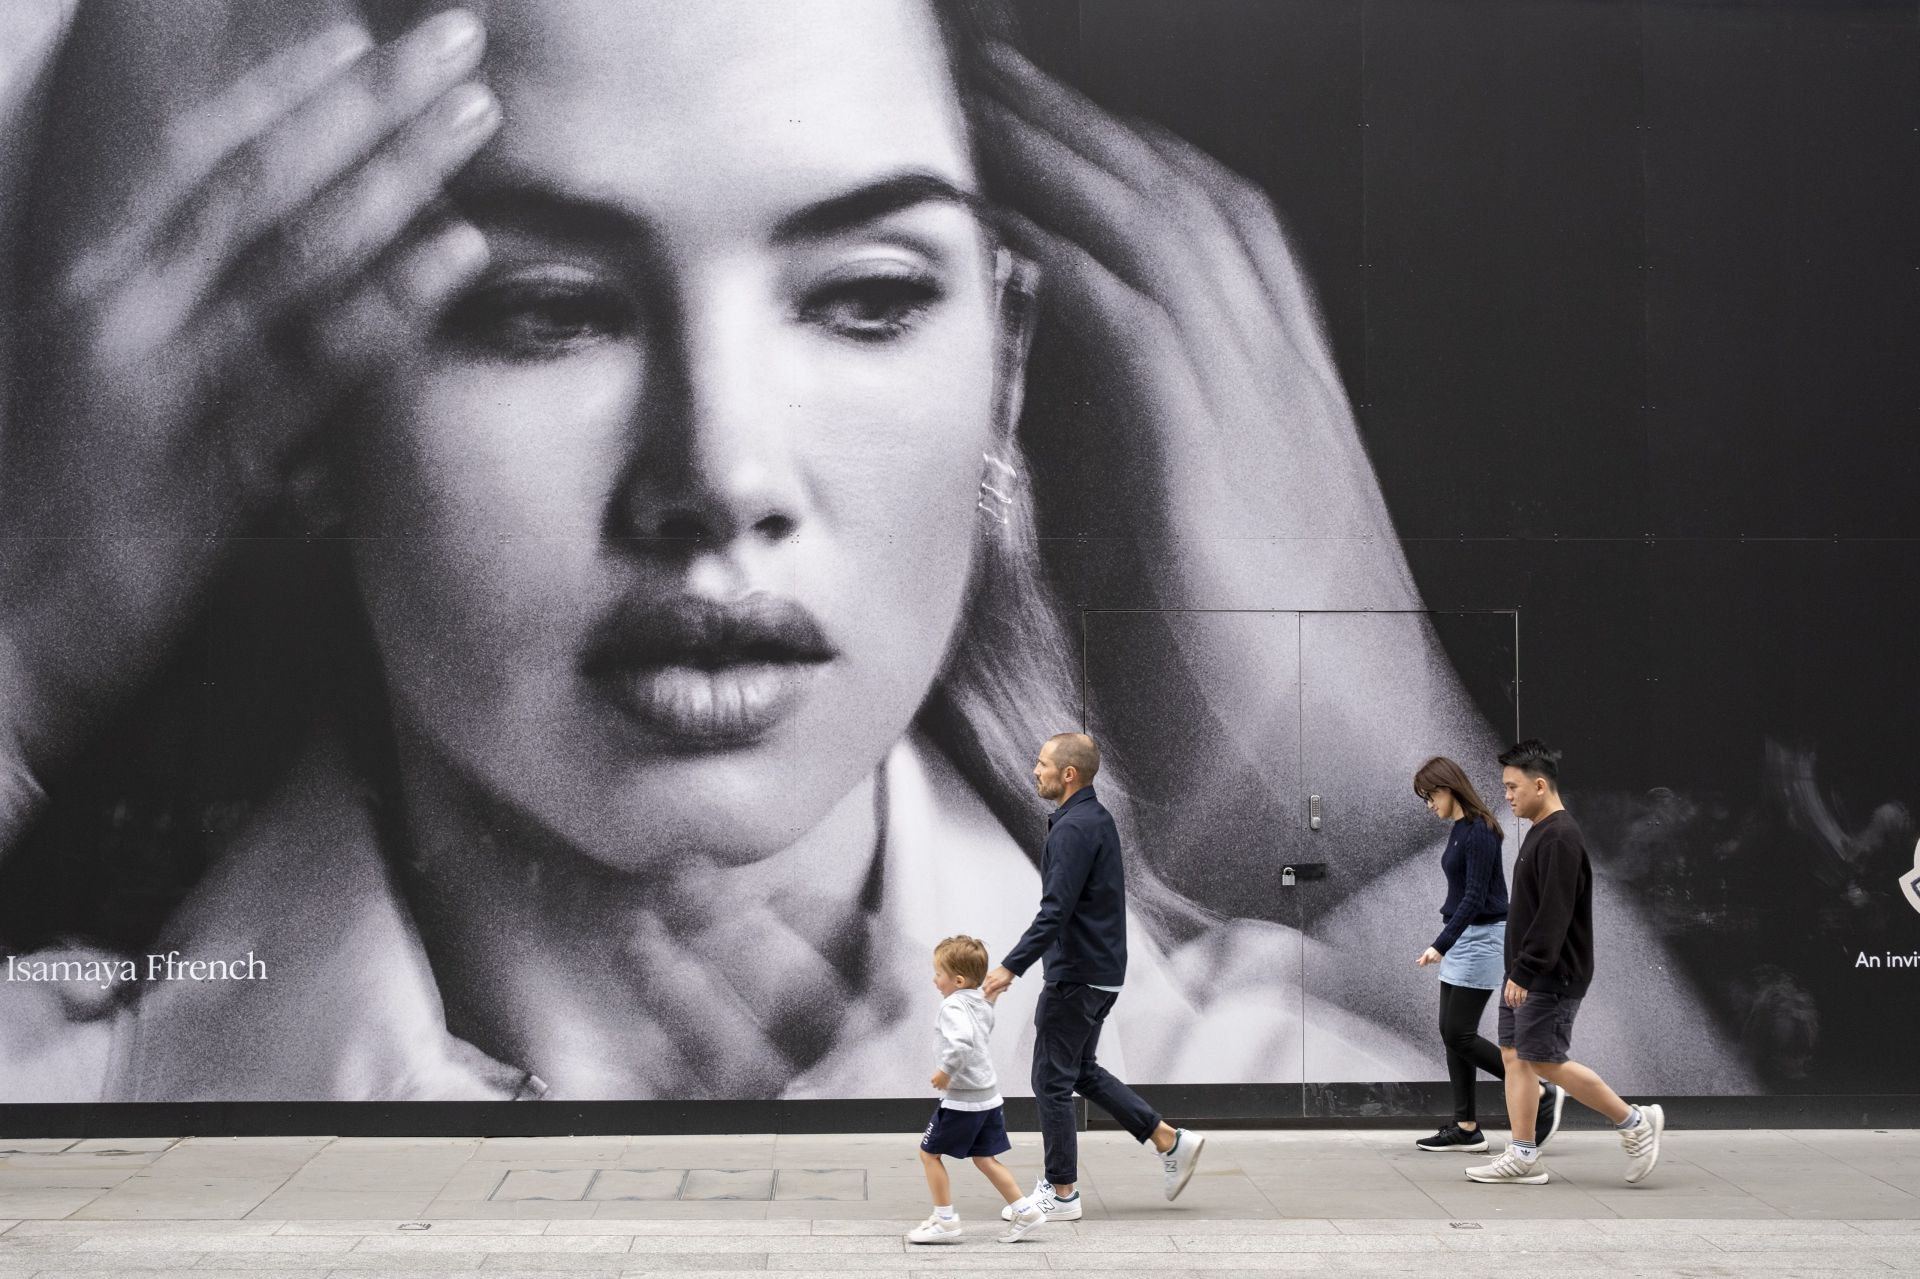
<point>171,1199</point>
<point>122,1145</point>
<point>157,1241</point>
<point>369,1227</point>
<point>565,1184</point>
<point>46,1201</point>
<point>690,1210</point>
<point>454,1209</point>
<point>647,1185</point>
<point>728,1183</point>
<point>149,1272</point>
<point>539,1150</point>
<point>643,1228</point>
<point>843,1184</point>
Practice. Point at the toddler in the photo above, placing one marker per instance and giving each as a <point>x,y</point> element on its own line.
<point>971,1122</point>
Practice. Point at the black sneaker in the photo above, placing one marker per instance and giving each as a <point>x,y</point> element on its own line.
<point>1454,1137</point>
<point>1546,1121</point>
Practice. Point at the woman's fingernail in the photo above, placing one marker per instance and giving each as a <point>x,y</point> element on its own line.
<point>453,34</point>
<point>470,108</point>
<point>343,44</point>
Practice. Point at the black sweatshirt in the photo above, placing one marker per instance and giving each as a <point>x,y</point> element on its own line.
<point>1550,911</point>
<point>1081,930</point>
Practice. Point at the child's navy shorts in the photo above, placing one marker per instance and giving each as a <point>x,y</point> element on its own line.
<point>967,1134</point>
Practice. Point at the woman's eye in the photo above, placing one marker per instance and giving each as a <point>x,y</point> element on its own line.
<point>871,308</point>
<point>534,320</point>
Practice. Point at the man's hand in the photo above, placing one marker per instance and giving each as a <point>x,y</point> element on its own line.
<point>1516,994</point>
<point>1427,956</point>
<point>996,984</point>
<point>940,1078</point>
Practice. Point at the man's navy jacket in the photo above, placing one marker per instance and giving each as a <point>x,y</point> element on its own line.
<point>1080,934</point>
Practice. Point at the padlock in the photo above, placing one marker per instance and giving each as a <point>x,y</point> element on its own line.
<point>1286,877</point>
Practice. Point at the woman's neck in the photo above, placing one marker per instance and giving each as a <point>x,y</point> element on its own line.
<point>696,979</point>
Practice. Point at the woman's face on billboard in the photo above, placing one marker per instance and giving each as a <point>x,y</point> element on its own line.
<point>665,541</point>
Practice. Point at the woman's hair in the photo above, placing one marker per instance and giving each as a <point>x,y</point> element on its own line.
<point>1441,773</point>
<point>1010,679</point>
<point>963,957</point>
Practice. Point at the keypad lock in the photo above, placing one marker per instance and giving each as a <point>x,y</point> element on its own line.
<point>1287,877</point>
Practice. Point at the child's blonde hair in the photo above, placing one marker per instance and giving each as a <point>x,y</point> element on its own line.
<point>963,957</point>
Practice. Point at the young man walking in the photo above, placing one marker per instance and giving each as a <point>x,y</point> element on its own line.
<point>1549,967</point>
<point>1080,935</point>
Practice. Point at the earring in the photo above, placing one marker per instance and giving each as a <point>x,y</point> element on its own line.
<point>997,480</point>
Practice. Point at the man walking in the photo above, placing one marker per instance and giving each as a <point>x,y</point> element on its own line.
<point>1549,967</point>
<point>1080,937</point>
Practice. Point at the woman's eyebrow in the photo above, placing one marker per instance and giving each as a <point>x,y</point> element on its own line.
<point>545,211</point>
<point>873,200</point>
<point>556,214</point>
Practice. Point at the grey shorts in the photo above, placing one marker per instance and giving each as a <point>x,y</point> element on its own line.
<point>1540,1029</point>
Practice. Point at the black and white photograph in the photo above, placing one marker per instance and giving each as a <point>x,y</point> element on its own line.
<point>541,541</point>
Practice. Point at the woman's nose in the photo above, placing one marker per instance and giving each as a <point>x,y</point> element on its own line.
<point>714,461</point>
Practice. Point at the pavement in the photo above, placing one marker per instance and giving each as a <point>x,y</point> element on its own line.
<point>1353,1202</point>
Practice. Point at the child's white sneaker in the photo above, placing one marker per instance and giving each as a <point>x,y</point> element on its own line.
<point>936,1229</point>
<point>1024,1223</point>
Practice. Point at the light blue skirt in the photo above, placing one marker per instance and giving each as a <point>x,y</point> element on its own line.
<point>1477,958</point>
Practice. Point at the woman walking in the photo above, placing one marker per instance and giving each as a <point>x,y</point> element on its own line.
<point>1471,950</point>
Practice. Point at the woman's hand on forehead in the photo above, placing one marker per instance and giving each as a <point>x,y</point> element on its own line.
<point>271,257</point>
<point>1174,270</point>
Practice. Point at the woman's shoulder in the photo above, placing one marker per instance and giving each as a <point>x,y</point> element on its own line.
<point>1478,833</point>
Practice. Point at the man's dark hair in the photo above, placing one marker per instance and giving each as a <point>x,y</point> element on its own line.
<point>1078,752</point>
<point>1534,758</point>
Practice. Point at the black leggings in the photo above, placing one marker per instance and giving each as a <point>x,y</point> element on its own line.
<point>1460,1009</point>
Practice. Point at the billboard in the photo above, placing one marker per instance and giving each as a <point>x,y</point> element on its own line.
<point>540,541</point>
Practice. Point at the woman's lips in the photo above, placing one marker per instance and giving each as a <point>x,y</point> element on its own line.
<point>705,674</point>
<point>711,709</point>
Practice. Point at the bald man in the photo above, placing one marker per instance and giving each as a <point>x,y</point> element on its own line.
<point>1080,937</point>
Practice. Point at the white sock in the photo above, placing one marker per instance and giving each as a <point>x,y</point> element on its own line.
<point>1526,1150</point>
<point>1023,1204</point>
<point>945,1212</point>
<point>1631,1121</point>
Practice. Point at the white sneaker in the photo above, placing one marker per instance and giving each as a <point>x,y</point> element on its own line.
<point>936,1229</point>
<point>1056,1208</point>
<point>1025,1223</point>
<point>1179,1162</point>
<point>1642,1142</point>
<point>1510,1169</point>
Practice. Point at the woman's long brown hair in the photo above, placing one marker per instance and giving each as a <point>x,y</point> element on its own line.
<point>1441,773</point>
